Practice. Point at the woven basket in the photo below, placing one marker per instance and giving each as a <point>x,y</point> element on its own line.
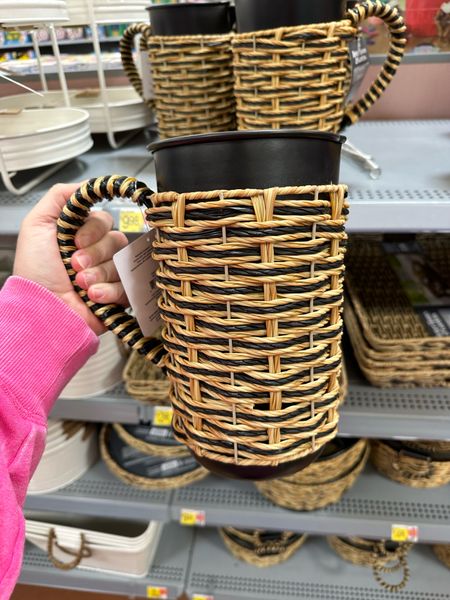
<point>323,482</point>
<point>145,381</point>
<point>383,557</point>
<point>413,467</point>
<point>299,76</point>
<point>442,551</point>
<point>148,448</point>
<point>261,548</point>
<point>192,80</point>
<point>145,483</point>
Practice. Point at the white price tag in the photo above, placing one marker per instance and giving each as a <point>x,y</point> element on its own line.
<point>192,518</point>
<point>405,533</point>
<point>157,593</point>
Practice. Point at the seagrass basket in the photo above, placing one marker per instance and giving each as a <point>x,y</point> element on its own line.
<point>162,441</point>
<point>261,548</point>
<point>383,556</point>
<point>190,470</point>
<point>442,551</point>
<point>323,482</point>
<point>415,467</point>
<point>299,76</point>
<point>145,381</point>
<point>192,80</point>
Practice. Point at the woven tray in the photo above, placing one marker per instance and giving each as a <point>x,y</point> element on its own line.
<point>442,551</point>
<point>148,448</point>
<point>145,483</point>
<point>261,548</point>
<point>384,557</point>
<point>145,381</point>
<point>192,80</point>
<point>413,467</point>
<point>300,76</point>
<point>322,483</point>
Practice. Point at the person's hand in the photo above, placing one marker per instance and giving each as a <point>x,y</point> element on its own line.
<point>38,259</point>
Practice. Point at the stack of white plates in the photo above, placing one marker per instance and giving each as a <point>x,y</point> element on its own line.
<point>102,371</point>
<point>30,12</point>
<point>70,450</point>
<point>110,544</point>
<point>36,138</point>
<point>127,109</point>
<point>107,11</point>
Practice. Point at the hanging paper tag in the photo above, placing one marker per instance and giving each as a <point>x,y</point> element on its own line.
<point>404,533</point>
<point>360,61</point>
<point>158,593</point>
<point>137,272</point>
<point>147,78</point>
<point>192,518</point>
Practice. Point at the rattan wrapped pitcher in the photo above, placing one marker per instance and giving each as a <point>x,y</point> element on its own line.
<point>189,49</point>
<point>299,76</point>
<point>251,277</point>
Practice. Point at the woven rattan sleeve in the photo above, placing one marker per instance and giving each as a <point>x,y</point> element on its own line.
<point>252,289</point>
<point>71,219</point>
<point>126,54</point>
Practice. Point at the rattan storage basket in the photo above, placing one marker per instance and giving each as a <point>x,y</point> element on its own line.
<point>442,551</point>
<point>299,76</point>
<point>192,80</point>
<point>144,482</point>
<point>261,548</point>
<point>384,557</point>
<point>324,481</point>
<point>167,446</point>
<point>418,468</point>
<point>145,381</point>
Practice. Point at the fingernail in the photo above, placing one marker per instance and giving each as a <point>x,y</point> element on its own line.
<point>89,278</point>
<point>98,293</point>
<point>84,260</point>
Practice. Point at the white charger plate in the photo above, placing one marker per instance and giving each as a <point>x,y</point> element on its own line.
<point>31,12</point>
<point>39,137</point>
<point>127,109</point>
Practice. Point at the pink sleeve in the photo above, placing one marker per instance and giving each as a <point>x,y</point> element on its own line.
<point>43,343</point>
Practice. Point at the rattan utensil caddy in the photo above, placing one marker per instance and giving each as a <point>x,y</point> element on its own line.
<point>299,76</point>
<point>251,296</point>
<point>261,548</point>
<point>384,557</point>
<point>321,483</point>
<point>145,381</point>
<point>415,467</point>
<point>192,80</point>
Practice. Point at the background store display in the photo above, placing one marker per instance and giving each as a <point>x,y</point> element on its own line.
<point>145,381</point>
<point>151,439</point>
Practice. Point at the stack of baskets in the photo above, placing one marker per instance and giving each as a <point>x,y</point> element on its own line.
<point>392,341</point>
<point>323,482</point>
<point>145,381</point>
<point>148,457</point>
<point>418,464</point>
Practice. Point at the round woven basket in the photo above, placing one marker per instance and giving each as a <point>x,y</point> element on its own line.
<point>146,483</point>
<point>192,80</point>
<point>147,447</point>
<point>442,551</point>
<point>261,548</point>
<point>324,481</point>
<point>299,76</point>
<point>145,381</point>
<point>418,468</point>
<point>384,557</point>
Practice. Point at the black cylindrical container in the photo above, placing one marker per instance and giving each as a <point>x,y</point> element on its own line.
<point>192,19</point>
<point>253,15</point>
<point>247,159</point>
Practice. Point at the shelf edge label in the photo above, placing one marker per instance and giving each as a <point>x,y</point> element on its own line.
<point>404,533</point>
<point>157,592</point>
<point>192,518</point>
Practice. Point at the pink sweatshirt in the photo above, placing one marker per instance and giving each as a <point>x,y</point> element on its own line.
<point>43,343</point>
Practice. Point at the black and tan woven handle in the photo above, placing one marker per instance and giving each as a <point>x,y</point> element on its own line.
<point>384,562</point>
<point>126,53</point>
<point>70,220</point>
<point>397,44</point>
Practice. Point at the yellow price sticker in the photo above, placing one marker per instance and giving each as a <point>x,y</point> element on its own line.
<point>162,416</point>
<point>192,518</point>
<point>404,533</point>
<point>131,221</point>
<point>159,593</point>
<point>202,597</point>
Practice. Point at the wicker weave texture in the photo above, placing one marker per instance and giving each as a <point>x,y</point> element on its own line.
<point>320,484</point>
<point>251,299</point>
<point>145,381</point>
<point>442,551</point>
<point>299,76</point>
<point>192,80</point>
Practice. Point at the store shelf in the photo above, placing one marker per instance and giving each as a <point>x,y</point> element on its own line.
<point>82,41</point>
<point>314,572</point>
<point>169,570</point>
<point>99,493</point>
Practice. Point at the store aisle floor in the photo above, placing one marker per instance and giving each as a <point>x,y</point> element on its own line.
<point>29,592</point>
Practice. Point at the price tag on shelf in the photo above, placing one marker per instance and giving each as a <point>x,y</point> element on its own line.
<point>131,221</point>
<point>162,416</point>
<point>192,518</point>
<point>157,593</point>
<point>202,597</point>
<point>404,533</point>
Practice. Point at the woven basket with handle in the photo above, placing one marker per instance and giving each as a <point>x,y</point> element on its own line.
<point>145,381</point>
<point>299,76</point>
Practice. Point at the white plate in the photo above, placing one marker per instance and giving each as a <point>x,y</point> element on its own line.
<point>127,109</point>
<point>24,12</point>
<point>108,11</point>
<point>36,138</point>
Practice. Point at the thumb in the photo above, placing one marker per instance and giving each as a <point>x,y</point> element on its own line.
<point>50,206</point>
